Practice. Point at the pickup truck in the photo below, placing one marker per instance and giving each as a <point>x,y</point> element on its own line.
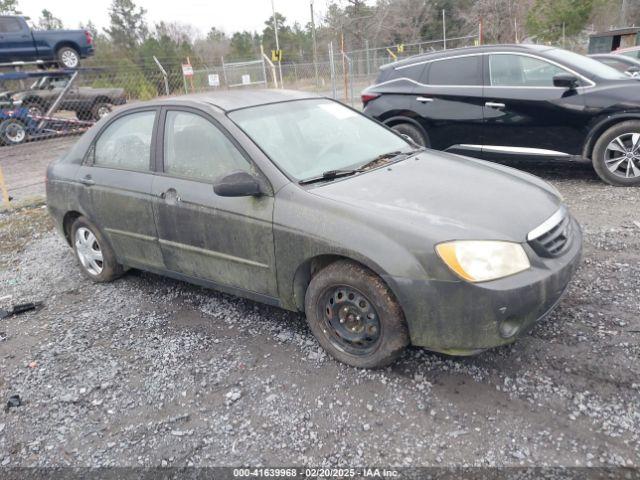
<point>63,47</point>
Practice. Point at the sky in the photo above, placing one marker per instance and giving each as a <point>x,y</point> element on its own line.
<point>228,15</point>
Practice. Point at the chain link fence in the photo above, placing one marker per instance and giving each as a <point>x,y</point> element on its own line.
<point>37,104</point>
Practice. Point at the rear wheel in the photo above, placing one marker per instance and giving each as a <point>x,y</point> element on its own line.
<point>355,316</point>
<point>616,154</point>
<point>413,132</point>
<point>35,109</point>
<point>12,132</point>
<point>96,257</point>
<point>100,110</point>
<point>68,58</point>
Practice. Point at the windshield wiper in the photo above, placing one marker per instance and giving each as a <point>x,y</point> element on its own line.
<point>330,175</point>
<point>381,159</point>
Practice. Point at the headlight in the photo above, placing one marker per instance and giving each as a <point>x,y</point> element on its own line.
<point>482,260</point>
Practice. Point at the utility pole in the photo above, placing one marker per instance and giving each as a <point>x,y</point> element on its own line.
<point>315,46</point>
<point>275,29</point>
<point>444,30</point>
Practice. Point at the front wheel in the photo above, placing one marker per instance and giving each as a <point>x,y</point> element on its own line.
<point>68,57</point>
<point>616,154</point>
<point>355,316</point>
<point>12,132</point>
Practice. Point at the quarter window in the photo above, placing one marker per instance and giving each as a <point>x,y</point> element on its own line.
<point>521,71</point>
<point>126,143</point>
<point>456,71</point>
<point>195,148</point>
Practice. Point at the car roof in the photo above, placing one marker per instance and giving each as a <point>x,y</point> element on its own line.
<point>229,100</point>
<point>517,47</point>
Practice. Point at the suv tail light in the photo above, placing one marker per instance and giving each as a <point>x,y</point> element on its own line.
<point>367,97</point>
<point>88,36</point>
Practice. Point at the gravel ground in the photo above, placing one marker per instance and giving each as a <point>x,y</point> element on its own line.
<point>148,371</point>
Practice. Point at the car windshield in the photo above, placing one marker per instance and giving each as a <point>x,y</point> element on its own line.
<point>306,138</point>
<point>586,64</point>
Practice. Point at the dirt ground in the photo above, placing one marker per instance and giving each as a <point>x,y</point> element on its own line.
<point>148,371</point>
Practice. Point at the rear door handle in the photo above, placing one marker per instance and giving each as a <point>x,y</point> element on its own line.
<point>424,99</point>
<point>494,105</point>
<point>87,180</point>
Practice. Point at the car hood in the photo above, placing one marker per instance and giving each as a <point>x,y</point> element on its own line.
<point>450,196</point>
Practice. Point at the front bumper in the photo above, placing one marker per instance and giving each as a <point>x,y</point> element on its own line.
<point>462,318</point>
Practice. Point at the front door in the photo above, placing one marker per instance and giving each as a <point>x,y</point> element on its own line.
<point>449,102</point>
<point>117,179</point>
<point>224,240</point>
<point>17,42</point>
<point>525,114</point>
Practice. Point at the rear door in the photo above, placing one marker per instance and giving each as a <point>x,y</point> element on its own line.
<point>449,101</point>
<point>224,240</point>
<point>525,115</point>
<point>117,179</point>
<point>16,42</point>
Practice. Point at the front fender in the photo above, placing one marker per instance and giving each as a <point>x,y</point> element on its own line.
<point>600,124</point>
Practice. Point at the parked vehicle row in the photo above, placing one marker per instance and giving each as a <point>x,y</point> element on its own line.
<point>18,43</point>
<point>515,101</point>
<point>300,202</point>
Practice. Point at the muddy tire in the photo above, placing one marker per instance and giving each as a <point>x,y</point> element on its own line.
<point>95,256</point>
<point>355,316</point>
<point>414,133</point>
<point>100,109</point>
<point>616,155</point>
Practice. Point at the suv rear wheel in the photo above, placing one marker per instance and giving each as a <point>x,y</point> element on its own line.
<point>413,132</point>
<point>616,154</point>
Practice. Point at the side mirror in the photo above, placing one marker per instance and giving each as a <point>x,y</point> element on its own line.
<point>565,80</point>
<point>238,184</point>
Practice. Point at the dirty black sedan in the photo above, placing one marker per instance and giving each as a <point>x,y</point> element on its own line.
<point>300,202</point>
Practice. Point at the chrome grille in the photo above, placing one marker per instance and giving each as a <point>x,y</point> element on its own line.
<point>555,236</point>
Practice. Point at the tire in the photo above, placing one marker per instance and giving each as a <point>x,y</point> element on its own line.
<point>35,109</point>
<point>336,299</point>
<point>12,132</point>
<point>413,132</point>
<point>85,115</point>
<point>68,57</point>
<point>101,109</point>
<point>89,250</point>
<point>605,158</point>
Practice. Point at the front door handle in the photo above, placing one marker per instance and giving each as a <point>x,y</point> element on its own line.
<point>494,105</point>
<point>87,180</point>
<point>424,99</point>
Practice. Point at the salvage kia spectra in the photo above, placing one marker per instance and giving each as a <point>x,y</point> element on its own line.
<point>300,202</point>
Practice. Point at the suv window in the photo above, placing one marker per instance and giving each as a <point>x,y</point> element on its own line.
<point>195,148</point>
<point>126,143</point>
<point>456,71</point>
<point>521,71</point>
<point>9,25</point>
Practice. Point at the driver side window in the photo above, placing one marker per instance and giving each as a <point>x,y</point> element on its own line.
<point>521,71</point>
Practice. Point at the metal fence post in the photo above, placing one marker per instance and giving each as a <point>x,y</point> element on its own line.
<point>366,46</point>
<point>332,67</point>
<point>164,74</point>
<point>224,73</point>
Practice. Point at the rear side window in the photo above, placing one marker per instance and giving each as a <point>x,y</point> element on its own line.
<point>412,72</point>
<point>195,148</point>
<point>126,143</point>
<point>10,25</point>
<point>456,71</point>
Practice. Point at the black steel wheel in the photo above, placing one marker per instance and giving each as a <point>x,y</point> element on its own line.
<point>355,316</point>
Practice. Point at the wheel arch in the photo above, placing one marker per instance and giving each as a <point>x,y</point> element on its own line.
<point>602,126</point>
<point>66,43</point>
<point>67,221</point>
<point>308,268</point>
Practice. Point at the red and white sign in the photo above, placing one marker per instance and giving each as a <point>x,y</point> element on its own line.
<point>187,70</point>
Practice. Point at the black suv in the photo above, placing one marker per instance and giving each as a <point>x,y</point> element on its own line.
<point>504,101</point>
